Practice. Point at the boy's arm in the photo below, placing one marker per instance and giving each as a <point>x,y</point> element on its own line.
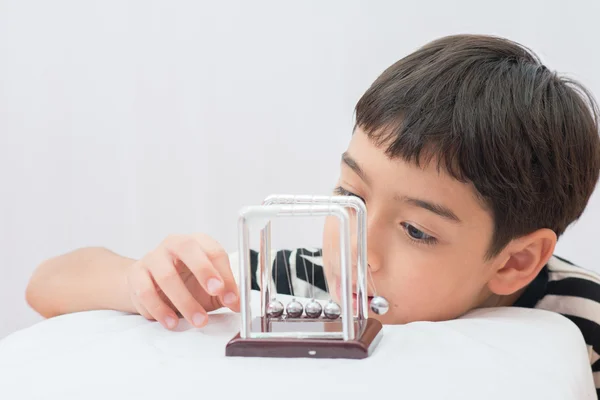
<point>85,279</point>
<point>185,275</point>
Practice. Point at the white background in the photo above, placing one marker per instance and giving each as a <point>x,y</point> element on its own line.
<point>124,121</point>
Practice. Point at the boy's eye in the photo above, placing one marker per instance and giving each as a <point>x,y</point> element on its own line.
<point>417,234</point>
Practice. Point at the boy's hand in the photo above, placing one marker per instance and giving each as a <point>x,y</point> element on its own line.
<point>188,275</point>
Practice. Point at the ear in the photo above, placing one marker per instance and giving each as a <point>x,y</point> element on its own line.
<point>525,257</point>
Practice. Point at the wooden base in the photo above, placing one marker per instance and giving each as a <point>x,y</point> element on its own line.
<point>368,334</point>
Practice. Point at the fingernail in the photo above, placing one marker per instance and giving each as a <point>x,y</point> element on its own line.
<point>199,319</point>
<point>229,298</point>
<point>171,322</point>
<point>214,285</point>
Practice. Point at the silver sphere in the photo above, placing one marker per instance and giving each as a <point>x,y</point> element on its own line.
<point>313,309</point>
<point>332,310</point>
<point>379,305</point>
<point>275,309</point>
<point>294,309</point>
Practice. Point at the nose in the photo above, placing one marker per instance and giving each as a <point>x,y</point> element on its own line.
<point>375,244</point>
<point>374,250</point>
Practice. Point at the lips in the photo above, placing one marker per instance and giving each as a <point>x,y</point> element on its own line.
<point>354,295</point>
<point>355,301</point>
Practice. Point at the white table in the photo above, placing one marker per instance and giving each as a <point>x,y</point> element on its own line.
<point>489,354</point>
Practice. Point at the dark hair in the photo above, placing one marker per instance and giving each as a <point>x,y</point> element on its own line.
<point>491,114</point>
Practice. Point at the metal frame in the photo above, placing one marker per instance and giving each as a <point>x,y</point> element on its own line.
<point>361,246</point>
<point>302,206</point>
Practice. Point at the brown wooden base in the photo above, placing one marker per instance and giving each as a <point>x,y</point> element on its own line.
<point>367,338</point>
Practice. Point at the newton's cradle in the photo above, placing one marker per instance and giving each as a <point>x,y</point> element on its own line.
<point>311,330</point>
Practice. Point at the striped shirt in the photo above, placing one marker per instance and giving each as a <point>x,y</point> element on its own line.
<point>560,287</point>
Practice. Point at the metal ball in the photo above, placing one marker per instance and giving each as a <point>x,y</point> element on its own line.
<point>294,309</point>
<point>332,310</point>
<point>379,305</point>
<point>313,309</point>
<point>275,309</point>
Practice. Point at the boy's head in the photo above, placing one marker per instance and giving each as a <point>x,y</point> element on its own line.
<point>472,158</point>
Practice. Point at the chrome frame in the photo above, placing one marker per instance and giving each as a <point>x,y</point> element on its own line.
<point>361,237</point>
<point>298,206</point>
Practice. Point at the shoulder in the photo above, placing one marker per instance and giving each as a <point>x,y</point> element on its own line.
<point>574,292</point>
<point>571,290</point>
<point>560,269</point>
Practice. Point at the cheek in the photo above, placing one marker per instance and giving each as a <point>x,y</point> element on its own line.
<point>425,286</point>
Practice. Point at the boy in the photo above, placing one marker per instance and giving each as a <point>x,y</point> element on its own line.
<point>472,159</point>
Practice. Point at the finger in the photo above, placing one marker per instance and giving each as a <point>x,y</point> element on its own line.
<point>149,299</point>
<point>190,251</point>
<point>220,260</point>
<point>134,298</point>
<point>166,276</point>
<point>142,310</point>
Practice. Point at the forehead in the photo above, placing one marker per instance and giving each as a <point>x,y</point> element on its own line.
<point>397,177</point>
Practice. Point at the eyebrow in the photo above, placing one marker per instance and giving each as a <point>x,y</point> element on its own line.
<point>435,208</point>
<point>351,162</point>
<point>438,209</point>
